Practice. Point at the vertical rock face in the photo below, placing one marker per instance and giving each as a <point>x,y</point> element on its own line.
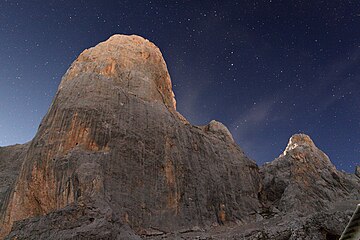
<point>113,141</point>
<point>304,179</point>
<point>11,159</point>
<point>357,171</point>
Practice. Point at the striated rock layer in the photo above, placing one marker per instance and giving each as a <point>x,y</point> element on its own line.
<point>113,141</point>
<point>113,159</point>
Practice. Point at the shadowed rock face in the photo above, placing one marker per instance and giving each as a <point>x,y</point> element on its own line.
<point>113,141</point>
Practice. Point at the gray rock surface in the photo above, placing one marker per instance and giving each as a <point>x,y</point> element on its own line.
<point>303,179</point>
<point>113,159</point>
<point>318,226</point>
<point>357,171</point>
<point>11,158</point>
<point>112,136</point>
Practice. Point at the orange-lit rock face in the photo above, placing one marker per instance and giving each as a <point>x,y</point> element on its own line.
<point>135,64</point>
<point>302,139</point>
<point>110,68</point>
<point>222,214</point>
<point>173,196</point>
<point>299,141</point>
<point>42,187</point>
<point>79,135</point>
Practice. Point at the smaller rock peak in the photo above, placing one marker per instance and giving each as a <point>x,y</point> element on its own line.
<point>219,128</point>
<point>299,141</point>
<point>302,139</point>
<point>357,171</point>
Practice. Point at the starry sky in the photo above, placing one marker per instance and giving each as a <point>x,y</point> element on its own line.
<point>266,69</point>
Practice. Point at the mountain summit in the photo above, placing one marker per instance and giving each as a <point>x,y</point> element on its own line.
<point>299,141</point>
<point>113,159</point>
<point>113,147</point>
<point>303,177</point>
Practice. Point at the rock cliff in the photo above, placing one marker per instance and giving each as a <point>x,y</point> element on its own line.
<point>113,159</point>
<point>113,141</point>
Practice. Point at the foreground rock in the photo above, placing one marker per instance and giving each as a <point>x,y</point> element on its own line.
<point>113,159</point>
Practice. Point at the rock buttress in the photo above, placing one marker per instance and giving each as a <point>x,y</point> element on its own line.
<point>112,139</point>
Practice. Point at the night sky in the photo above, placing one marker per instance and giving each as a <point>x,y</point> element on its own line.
<point>266,69</point>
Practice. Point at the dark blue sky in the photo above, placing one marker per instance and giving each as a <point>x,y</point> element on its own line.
<point>266,69</point>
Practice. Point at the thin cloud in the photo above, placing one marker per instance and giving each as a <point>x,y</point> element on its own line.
<point>336,74</point>
<point>256,117</point>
